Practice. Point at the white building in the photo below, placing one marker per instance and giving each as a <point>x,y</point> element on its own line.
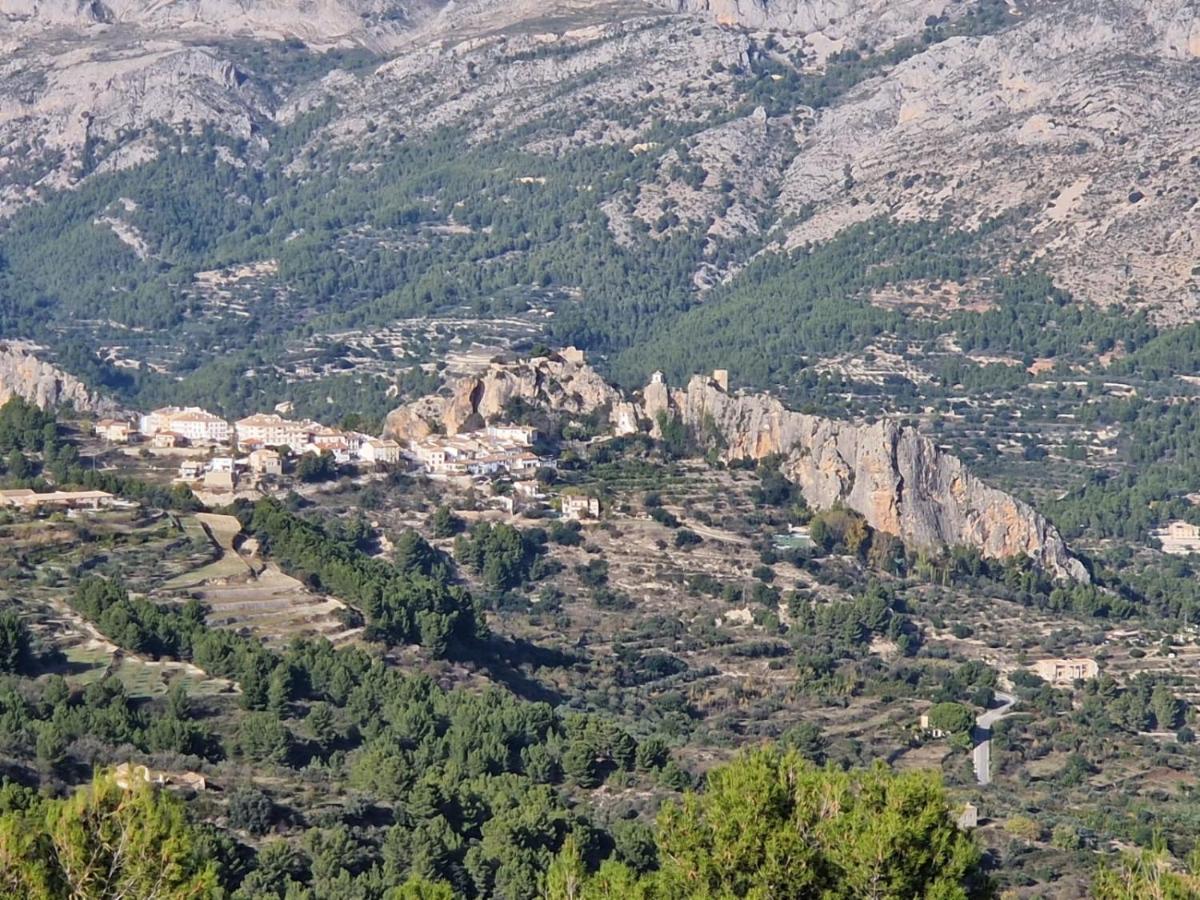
<point>514,434</point>
<point>487,452</point>
<point>529,462</point>
<point>379,451</point>
<point>29,500</point>
<point>221,464</point>
<point>1179,538</point>
<point>115,430</point>
<point>580,506</point>
<point>191,423</point>
<point>1066,671</point>
<point>487,465</point>
<point>191,470</point>
<point>270,430</point>
<point>335,439</point>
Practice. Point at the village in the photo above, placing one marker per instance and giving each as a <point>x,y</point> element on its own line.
<point>268,453</point>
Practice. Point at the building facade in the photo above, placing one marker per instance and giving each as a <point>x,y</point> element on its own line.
<point>379,451</point>
<point>265,461</point>
<point>1065,671</point>
<point>270,430</point>
<point>192,423</point>
<point>117,431</point>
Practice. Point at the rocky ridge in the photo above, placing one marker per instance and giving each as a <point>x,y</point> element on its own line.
<point>560,383</point>
<point>892,475</point>
<point>23,375</point>
<point>1076,120</point>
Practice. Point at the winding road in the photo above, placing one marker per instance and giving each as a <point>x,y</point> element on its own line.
<point>982,754</point>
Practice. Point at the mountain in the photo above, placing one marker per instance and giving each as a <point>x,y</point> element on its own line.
<point>631,176</point>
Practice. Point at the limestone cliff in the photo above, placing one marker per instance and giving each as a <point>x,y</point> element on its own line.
<point>892,475</point>
<point>24,375</point>
<point>560,383</point>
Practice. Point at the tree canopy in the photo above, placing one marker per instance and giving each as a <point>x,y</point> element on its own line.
<point>104,841</point>
<point>773,825</point>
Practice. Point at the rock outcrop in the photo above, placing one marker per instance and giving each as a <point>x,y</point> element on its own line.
<point>559,383</point>
<point>24,375</point>
<point>892,475</point>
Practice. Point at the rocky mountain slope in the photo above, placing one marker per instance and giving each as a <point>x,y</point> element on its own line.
<point>1075,119</point>
<point>1079,122</point>
<point>895,477</point>
<point>560,383</point>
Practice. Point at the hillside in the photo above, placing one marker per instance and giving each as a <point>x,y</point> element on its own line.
<point>622,164</point>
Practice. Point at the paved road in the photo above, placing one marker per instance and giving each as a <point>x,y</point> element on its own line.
<point>982,754</point>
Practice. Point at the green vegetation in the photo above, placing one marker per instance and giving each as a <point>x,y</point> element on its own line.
<point>503,556</point>
<point>772,825</point>
<point>37,450</point>
<point>951,718</point>
<point>103,842</point>
<point>415,605</point>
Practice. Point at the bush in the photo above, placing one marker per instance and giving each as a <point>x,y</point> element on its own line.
<point>951,718</point>
<point>663,517</point>
<point>250,810</point>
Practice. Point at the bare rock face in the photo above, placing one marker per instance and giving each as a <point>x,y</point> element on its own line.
<point>1079,122</point>
<point>552,382</point>
<point>103,91</point>
<point>24,375</point>
<point>895,477</point>
<point>871,19</point>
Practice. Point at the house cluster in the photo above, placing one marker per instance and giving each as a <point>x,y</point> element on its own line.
<point>179,426</point>
<point>495,450</point>
<point>223,473</point>
<point>258,439</point>
<point>174,426</point>
<point>264,430</point>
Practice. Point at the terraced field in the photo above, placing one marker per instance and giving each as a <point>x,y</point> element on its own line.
<point>244,593</point>
<point>89,657</point>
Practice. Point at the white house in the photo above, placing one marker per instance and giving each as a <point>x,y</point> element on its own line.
<point>516,434</point>
<point>192,423</point>
<point>378,451</point>
<point>487,465</point>
<point>115,430</point>
<point>270,430</point>
<point>580,506</point>
<point>1179,538</point>
<point>191,470</point>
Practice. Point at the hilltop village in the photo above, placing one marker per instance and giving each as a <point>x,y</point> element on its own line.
<point>266,453</point>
